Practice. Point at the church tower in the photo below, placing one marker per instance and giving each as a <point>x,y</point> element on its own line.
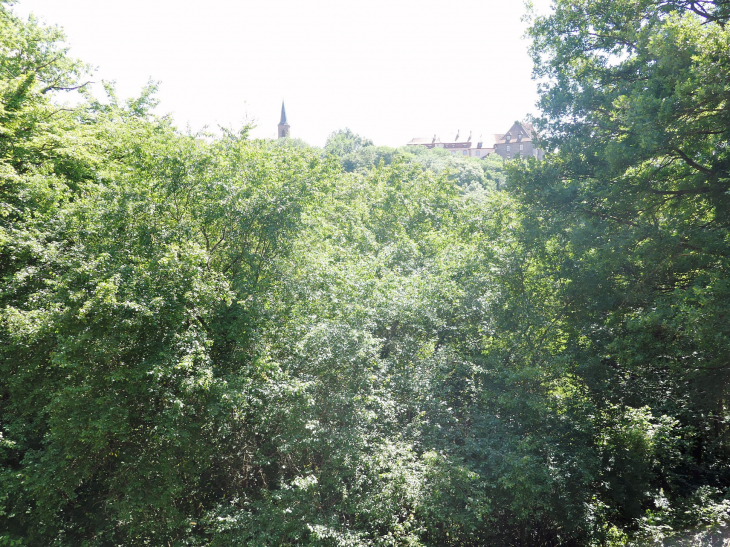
<point>283,126</point>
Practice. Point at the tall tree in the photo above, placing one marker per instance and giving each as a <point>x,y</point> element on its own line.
<point>634,199</point>
<point>345,141</point>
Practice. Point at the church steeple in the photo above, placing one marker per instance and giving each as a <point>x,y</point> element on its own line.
<point>283,125</point>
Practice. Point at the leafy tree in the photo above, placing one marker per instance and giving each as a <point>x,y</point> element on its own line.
<point>633,202</point>
<point>133,260</point>
<point>474,176</point>
<point>368,157</point>
<point>344,141</point>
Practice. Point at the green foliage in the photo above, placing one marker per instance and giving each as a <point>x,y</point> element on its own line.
<point>209,340</point>
<point>344,141</point>
<point>474,176</point>
<point>632,208</point>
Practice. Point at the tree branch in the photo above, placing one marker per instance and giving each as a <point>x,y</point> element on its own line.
<point>689,161</point>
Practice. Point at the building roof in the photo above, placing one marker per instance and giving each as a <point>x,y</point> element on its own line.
<point>283,115</point>
<point>518,128</point>
<point>520,132</point>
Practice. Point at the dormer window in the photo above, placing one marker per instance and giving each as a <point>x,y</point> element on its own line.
<point>519,137</point>
<point>507,137</point>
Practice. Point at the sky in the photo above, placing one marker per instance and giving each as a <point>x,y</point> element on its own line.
<point>390,70</point>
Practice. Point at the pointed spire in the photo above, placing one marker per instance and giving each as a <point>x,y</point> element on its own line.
<point>283,114</point>
<point>283,128</point>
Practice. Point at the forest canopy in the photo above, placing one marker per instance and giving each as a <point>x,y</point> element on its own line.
<point>213,340</point>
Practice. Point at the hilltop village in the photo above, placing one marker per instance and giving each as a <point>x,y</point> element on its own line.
<point>517,141</point>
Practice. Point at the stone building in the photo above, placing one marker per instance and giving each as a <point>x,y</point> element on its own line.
<point>517,141</point>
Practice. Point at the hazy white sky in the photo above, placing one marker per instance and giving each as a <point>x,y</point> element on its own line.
<point>388,69</point>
